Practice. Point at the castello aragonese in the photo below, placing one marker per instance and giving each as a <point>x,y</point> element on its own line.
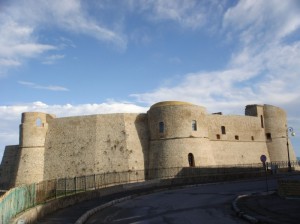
<point>170,134</point>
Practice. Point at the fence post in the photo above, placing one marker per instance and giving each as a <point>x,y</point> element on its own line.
<point>104,180</point>
<point>35,194</point>
<point>56,182</point>
<point>75,184</point>
<point>65,186</point>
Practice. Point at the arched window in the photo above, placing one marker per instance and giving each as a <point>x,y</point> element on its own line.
<point>194,125</point>
<point>191,160</point>
<point>161,127</point>
<point>38,122</point>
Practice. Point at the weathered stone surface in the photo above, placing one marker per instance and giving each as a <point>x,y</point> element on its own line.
<point>171,134</point>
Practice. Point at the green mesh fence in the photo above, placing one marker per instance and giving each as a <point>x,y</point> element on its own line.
<point>15,201</point>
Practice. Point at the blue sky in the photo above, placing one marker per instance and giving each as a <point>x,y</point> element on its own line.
<point>72,57</point>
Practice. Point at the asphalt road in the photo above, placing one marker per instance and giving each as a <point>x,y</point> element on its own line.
<point>210,203</point>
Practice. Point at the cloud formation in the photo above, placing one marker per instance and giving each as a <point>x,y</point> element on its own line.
<point>37,86</point>
<point>190,14</point>
<point>21,21</point>
<point>264,68</point>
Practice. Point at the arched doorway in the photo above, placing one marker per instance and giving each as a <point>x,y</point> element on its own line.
<point>191,160</point>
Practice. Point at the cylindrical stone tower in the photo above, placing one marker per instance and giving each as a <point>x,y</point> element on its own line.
<point>178,136</point>
<point>276,134</point>
<point>33,131</point>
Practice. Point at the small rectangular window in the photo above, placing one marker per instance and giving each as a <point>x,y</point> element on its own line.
<point>236,137</point>
<point>161,127</point>
<point>252,138</point>
<point>218,136</point>
<point>269,136</point>
<point>194,125</point>
<point>223,130</point>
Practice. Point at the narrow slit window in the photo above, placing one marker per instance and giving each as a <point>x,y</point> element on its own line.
<point>252,138</point>
<point>161,127</point>
<point>262,121</point>
<point>194,125</point>
<point>223,130</point>
<point>236,137</point>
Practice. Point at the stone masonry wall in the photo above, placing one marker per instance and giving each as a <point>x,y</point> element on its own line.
<point>74,146</point>
<point>86,145</point>
<point>242,143</point>
<point>9,166</point>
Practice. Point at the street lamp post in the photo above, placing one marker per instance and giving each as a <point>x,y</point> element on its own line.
<point>291,130</point>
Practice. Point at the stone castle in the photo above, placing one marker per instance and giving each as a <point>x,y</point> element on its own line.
<point>170,134</point>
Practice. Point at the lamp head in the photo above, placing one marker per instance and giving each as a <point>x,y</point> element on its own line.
<point>293,133</point>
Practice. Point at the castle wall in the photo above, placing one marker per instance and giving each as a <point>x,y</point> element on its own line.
<point>70,147</point>
<point>86,145</point>
<point>9,166</point>
<point>137,140</point>
<point>246,149</point>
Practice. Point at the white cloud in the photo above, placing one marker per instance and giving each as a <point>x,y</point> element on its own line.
<point>21,21</point>
<point>9,62</point>
<point>49,60</point>
<point>263,21</point>
<point>188,13</point>
<point>37,86</point>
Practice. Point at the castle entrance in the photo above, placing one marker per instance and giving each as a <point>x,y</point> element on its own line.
<point>191,160</point>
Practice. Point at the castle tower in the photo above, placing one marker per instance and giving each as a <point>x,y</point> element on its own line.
<point>275,130</point>
<point>33,131</point>
<point>178,135</point>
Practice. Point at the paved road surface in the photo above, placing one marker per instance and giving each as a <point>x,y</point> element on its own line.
<point>209,203</point>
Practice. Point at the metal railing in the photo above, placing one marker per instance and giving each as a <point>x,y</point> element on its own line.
<point>23,197</point>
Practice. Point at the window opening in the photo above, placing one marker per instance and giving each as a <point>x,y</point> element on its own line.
<point>223,130</point>
<point>218,136</point>
<point>262,121</point>
<point>161,127</point>
<point>39,122</point>
<point>191,160</point>
<point>236,137</point>
<point>269,136</point>
<point>194,125</point>
<point>252,138</point>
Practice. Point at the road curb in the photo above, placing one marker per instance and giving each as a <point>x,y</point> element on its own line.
<point>91,212</point>
<point>241,213</point>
